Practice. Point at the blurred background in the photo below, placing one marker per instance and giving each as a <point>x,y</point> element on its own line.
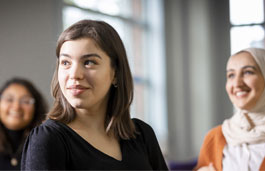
<point>177,51</point>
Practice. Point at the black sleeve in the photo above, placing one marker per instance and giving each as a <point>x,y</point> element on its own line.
<point>155,155</point>
<point>43,150</point>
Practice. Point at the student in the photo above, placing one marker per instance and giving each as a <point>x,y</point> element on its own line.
<point>22,107</point>
<point>89,126</point>
<point>239,143</point>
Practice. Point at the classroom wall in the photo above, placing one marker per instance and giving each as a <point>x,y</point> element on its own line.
<point>28,34</point>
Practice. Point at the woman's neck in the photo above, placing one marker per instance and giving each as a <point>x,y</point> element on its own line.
<point>92,120</point>
<point>15,137</point>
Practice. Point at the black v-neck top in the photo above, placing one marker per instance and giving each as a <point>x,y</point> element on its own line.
<point>55,146</point>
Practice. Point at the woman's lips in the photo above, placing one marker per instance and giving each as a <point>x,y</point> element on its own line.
<point>76,90</point>
<point>15,114</point>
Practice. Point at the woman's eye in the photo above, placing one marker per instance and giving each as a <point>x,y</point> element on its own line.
<point>230,75</point>
<point>248,72</point>
<point>89,62</point>
<point>7,99</point>
<point>65,63</point>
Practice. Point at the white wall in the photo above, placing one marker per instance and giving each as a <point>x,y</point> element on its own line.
<point>28,35</point>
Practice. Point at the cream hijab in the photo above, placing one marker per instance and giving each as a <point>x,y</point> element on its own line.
<point>248,126</point>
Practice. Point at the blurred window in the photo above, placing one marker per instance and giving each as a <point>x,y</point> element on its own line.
<point>247,24</point>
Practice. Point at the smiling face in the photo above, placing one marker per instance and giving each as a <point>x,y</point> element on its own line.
<point>85,74</point>
<point>16,107</point>
<point>245,82</point>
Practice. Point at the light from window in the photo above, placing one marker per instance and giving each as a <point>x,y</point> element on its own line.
<point>111,7</point>
<point>246,11</point>
<point>247,36</point>
<point>72,15</point>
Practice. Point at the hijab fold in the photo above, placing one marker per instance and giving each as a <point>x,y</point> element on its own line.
<point>248,126</point>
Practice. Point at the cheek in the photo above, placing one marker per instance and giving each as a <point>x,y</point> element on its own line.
<point>3,109</point>
<point>95,79</point>
<point>61,79</point>
<point>257,84</point>
<point>107,80</point>
<point>228,88</point>
<point>259,90</point>
<point>261,84</point>
<point>29,112</point>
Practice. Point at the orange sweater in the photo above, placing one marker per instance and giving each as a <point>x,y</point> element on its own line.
<point>212,150</point>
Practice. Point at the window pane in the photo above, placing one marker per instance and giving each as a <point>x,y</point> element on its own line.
<point>72,15</point>
<point>138,108</point>
<point>248,36</point>
<point>111,7</point>
<point>246,11</point>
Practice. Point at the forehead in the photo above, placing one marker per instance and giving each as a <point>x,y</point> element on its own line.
<point>240,60</point>
<point>16,90</point>
<point>81,45</point>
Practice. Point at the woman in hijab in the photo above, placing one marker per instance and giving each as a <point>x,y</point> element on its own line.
<point>239,143</point>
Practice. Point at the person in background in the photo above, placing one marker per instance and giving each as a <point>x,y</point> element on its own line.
<point>239,143</point>
<point>22,107</point>
<point>89,126</point>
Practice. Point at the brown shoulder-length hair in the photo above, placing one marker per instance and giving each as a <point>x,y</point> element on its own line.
<point>120,96</point>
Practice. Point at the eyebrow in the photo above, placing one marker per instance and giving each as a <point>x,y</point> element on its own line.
<point>83,56</point>
<point>244,67</point>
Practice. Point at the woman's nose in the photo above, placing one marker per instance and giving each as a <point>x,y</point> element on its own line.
<point>238,81</point>
<point>16,104</point>
<point>76,72</point>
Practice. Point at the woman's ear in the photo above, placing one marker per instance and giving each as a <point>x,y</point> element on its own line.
<point>114,82</point>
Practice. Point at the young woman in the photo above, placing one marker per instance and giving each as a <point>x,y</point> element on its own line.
<point>21,108</point>
<point>239,143</point>
<point>89,126</point>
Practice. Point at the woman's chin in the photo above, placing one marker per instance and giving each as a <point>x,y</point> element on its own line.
<point>244,107</point>
<point>76,104</point>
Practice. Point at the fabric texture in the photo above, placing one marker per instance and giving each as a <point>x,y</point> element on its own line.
<point>248,126</point>
<point>16,141</point>
<point>55,146</point>
<point>212,150</point>
<point>244,157</point>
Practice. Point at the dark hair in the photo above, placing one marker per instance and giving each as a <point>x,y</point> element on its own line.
<point>39,112</point>
<point>120,97</point>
